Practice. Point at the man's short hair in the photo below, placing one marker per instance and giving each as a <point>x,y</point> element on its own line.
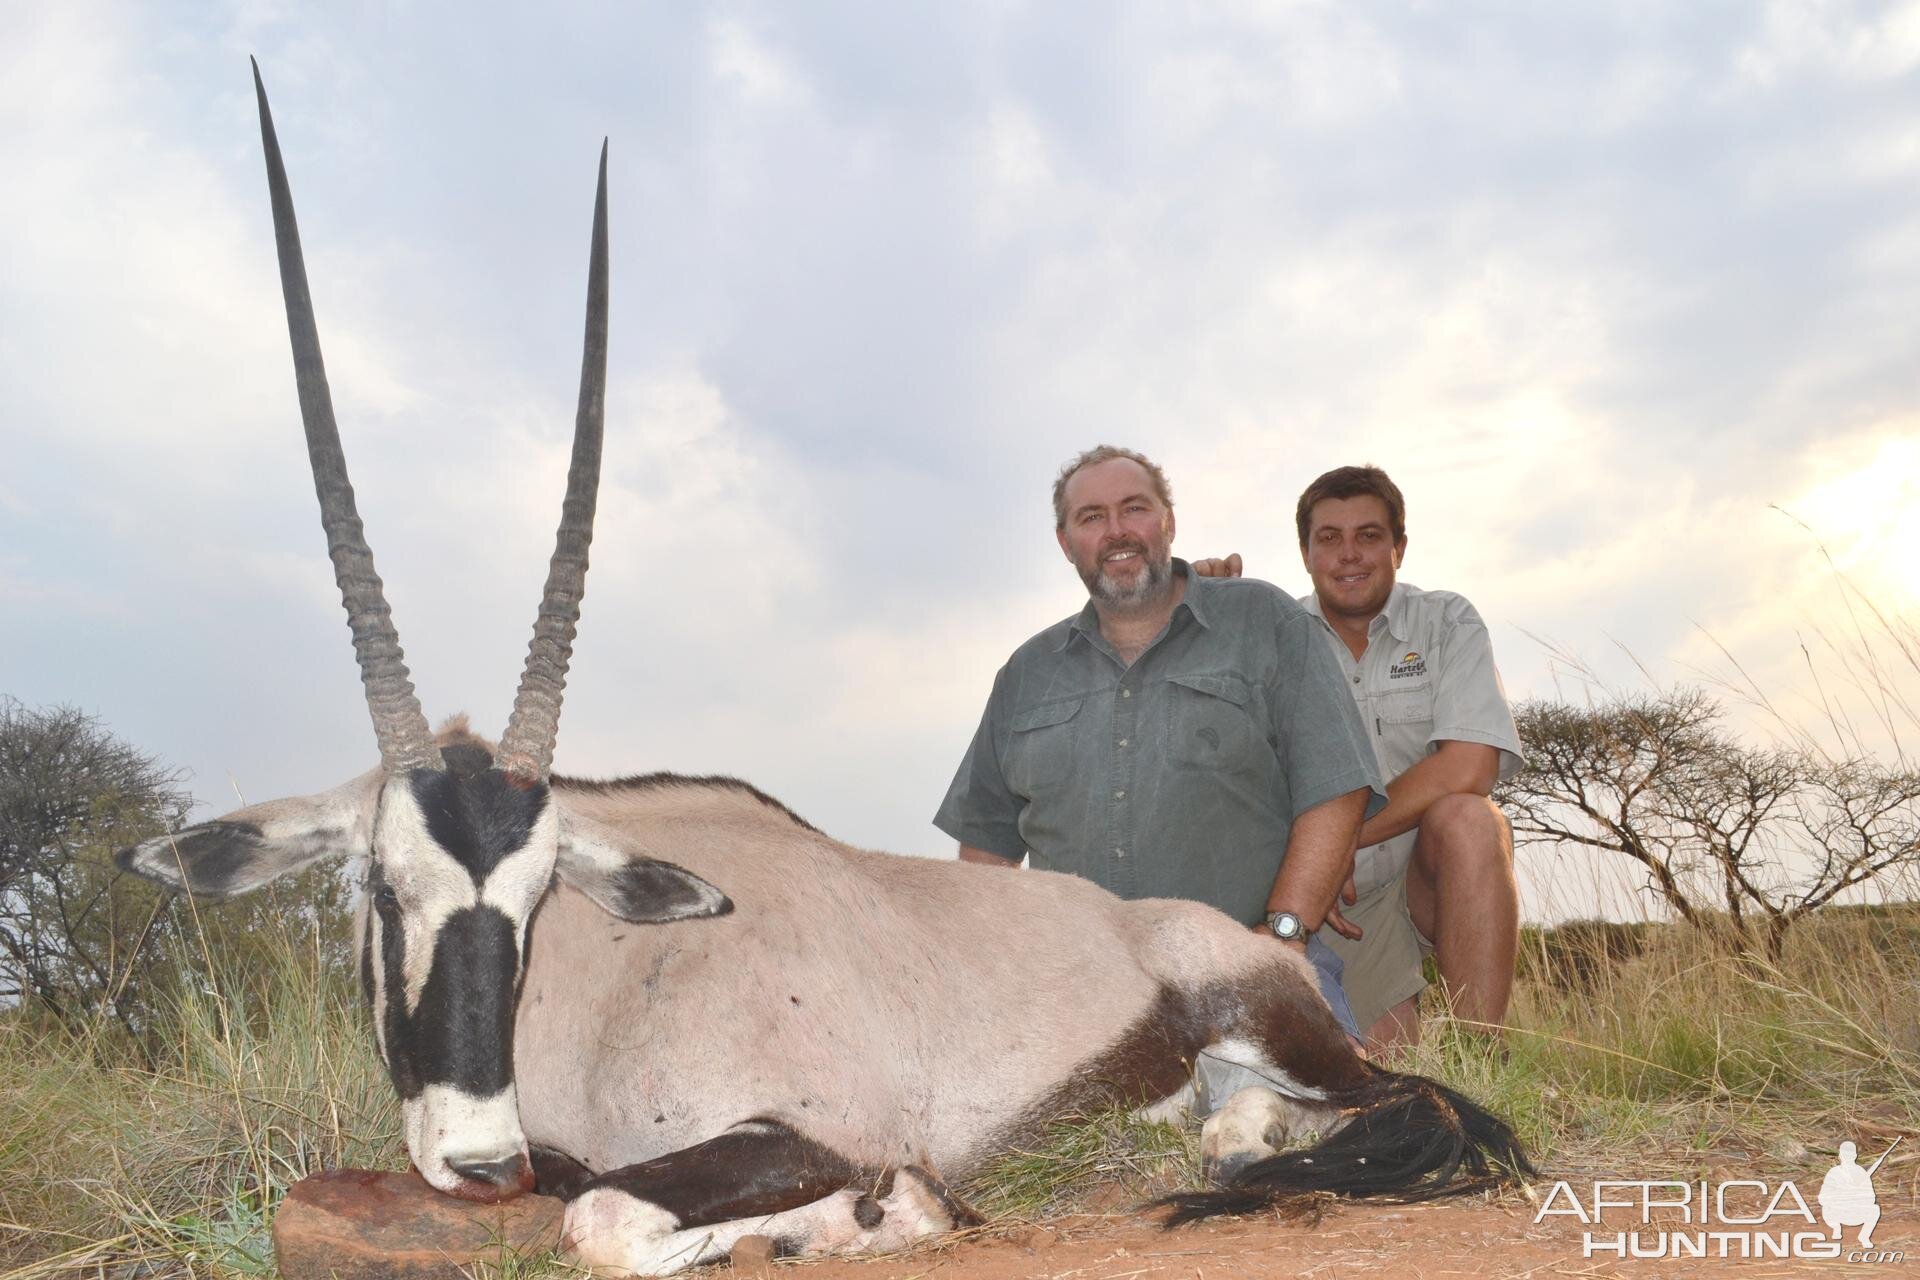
<point>1107,453</point>
<point>1352,482</point>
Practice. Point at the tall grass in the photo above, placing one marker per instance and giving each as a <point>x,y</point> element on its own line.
<point>260,1074</point>
<point>1637,1049</point>
<point>1656,1046</point>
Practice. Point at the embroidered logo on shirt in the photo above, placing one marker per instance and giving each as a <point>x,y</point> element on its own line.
<point>1411,665</point>
<point>1209,735</point>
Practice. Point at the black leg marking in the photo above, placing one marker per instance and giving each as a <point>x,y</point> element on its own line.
<point>555,1173</point>
<point>763,1167</point>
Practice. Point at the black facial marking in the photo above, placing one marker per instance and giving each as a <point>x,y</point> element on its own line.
<point>868,1213</point>
<point>461,1033</point>
<point>462,1030</point>
<point>647,891</point>
<point>474,812</point>
<point>750,1172</point>
<point>366,959</point>
<point>394,1023</point>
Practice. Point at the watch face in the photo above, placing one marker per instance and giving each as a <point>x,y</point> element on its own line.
<point>1285,925</point>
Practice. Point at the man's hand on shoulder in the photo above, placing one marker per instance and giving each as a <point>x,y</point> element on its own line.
<point>1227,568</point>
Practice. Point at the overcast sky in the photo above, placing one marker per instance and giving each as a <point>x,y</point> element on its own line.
<point>1601,285</point>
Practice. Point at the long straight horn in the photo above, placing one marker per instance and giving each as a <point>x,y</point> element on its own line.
<point>398,723</point>
<point>526,748</point>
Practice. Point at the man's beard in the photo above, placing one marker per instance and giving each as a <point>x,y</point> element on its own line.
<point>1147,588</point>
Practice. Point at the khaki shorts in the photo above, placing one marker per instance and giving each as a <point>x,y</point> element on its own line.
<point>1384,967</point>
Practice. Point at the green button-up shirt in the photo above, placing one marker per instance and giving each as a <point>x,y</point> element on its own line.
<point>1179,776</point>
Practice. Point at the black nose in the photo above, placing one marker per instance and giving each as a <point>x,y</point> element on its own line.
<point>509,1172</point>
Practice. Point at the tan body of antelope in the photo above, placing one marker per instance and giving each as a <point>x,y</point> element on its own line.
<point>695,1016</point>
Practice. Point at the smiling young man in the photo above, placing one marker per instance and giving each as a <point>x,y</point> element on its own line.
<point>1434,870</point>
<point>1179,737</point>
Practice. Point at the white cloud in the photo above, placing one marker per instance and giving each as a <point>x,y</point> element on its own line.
<point>1313,66</point>
<point>1597,288</point>
<point>149,298</point>
<point>1018,189</point>
<point>1805,37</point>
<point>23,592</point>
<point>744,59</point>
<point>1641,91</point>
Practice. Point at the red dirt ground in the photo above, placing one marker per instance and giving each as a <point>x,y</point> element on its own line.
<point>1473,1238</point>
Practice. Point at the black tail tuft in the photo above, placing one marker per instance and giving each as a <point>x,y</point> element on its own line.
<point>1407,1139</point>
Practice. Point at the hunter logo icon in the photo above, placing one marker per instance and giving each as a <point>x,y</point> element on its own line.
<point>1846,1195</point>
<point>1411,665</point>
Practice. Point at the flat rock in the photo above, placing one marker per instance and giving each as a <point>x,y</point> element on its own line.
<point>356,1224</point>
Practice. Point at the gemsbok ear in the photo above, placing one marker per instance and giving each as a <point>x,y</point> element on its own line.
<point>247,848</point>
<point>640,889</point>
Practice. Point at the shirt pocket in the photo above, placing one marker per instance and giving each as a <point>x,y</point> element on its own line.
<point>1406,706</point>
<point>1210,723</point>
<point>1040,751</point>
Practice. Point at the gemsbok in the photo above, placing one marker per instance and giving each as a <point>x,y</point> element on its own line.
<point>673,1002</point>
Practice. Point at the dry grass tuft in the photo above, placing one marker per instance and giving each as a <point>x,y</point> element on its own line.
<point>1081,1160</point>
<point>259,1077</point>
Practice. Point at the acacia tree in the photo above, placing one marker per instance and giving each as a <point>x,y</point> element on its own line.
<point>1764,835</point>
<point>78,938</point>
<point>70,794</point>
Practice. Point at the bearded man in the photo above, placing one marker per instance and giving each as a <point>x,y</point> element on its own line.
<point>1179,737</point>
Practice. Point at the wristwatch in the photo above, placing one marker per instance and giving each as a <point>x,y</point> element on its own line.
<point>1286,926</point>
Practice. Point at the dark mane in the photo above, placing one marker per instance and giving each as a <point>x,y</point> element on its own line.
<point>657,781</point>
